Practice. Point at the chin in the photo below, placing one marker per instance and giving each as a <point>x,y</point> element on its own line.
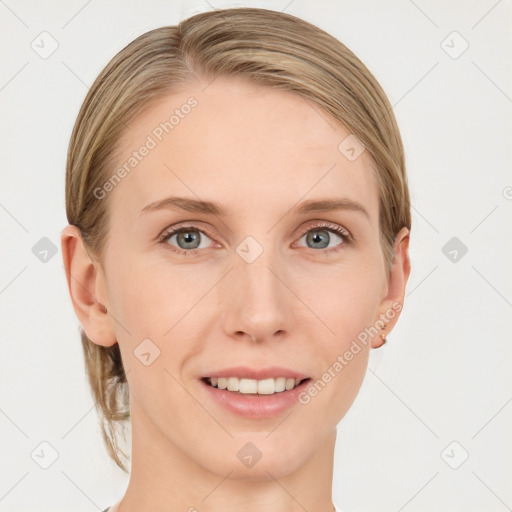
<point>257,457</point>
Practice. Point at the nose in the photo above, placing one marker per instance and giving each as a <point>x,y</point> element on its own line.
<point>257,304</point>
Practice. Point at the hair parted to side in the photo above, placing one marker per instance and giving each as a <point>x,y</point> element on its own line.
<point>259,46</point>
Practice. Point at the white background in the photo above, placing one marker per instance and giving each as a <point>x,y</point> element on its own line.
<point>444,374</point>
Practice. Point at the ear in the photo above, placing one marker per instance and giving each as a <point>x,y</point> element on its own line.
<point>391,306</point>
<point>87,288</point>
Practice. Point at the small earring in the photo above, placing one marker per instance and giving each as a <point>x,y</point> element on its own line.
<point>383,338</point>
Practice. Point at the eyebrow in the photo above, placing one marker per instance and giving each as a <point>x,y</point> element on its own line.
<point>212,208</point>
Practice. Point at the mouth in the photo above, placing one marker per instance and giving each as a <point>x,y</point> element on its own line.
<point>255,392</point>
<point>253,387</point>
<point>255,399</point>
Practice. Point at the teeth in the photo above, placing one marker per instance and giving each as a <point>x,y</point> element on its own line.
<point>290,384</point>
<point>233,384</point>
<point>251,386</point>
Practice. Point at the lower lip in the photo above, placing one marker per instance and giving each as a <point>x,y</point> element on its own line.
<point>256,406</point>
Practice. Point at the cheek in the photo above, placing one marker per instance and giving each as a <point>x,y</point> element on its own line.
<point>145,295</point>
<point>346,303</point>
<point>344,298</point>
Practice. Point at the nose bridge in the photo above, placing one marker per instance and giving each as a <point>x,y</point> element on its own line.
<point>255,267</point>
<point>257,304</point>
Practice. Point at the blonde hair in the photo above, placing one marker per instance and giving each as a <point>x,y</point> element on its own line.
<point>260,46</point>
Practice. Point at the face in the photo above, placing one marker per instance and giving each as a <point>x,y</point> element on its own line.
<point>260,282</point>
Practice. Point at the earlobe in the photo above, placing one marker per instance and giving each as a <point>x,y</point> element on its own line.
<point>86,285</point>
<point>391,305</point>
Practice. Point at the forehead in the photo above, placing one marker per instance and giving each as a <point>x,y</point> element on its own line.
<point>236,140</point>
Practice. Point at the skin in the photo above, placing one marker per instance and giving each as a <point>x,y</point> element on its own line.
<point>256,151</point>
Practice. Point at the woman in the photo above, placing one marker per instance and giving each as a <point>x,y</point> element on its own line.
<point>238,236</point>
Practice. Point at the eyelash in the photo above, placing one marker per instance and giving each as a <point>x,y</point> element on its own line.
<point>341,232</point>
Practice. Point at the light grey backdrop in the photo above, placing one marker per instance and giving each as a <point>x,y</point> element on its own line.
<point>430,427</point>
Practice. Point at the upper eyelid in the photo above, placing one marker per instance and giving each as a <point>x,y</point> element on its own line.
<point>191,225</point>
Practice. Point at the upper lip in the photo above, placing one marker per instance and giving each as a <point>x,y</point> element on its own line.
<point>244,372</point>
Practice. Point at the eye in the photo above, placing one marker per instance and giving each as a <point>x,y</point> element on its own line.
<point>320,236</point>
<point>187,239</point>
